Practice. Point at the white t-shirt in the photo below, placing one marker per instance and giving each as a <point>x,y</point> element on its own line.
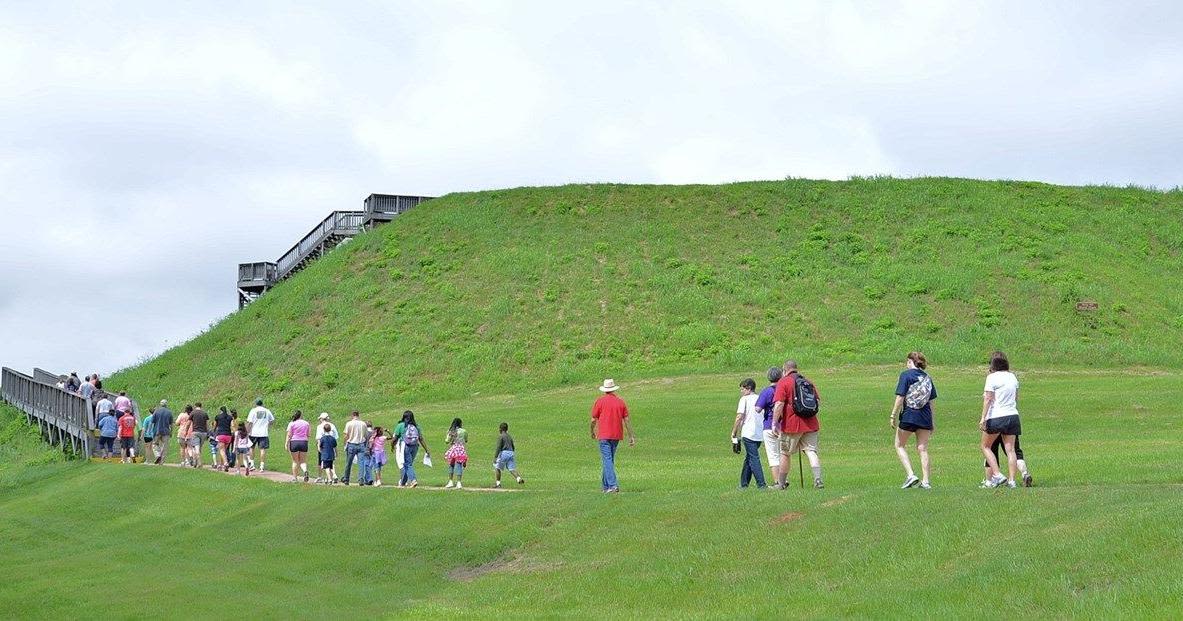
<point>753,424</point>
<point>104,405</point>
<point>320,430</point>
<point>1005,387</point>
<point>260,419</point>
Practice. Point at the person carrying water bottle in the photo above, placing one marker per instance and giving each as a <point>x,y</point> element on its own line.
<point>412,438</point>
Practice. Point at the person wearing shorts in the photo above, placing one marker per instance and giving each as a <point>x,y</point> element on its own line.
<point>297,441</point>
<point>504,456</point>
<point>326,453</point>
<point>224,434</point>
<point>914,394</point>
<point>200,432</point>
<point>147,428</point>
<point>764,407</point>
<point>242,450</point>
<point>1019,460</point>
<point>797,434</point>
<point>258,423</point>
<point>127,437</point>
<point>1000,418</point>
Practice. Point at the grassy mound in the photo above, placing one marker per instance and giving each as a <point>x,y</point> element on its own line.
<point>506,290</point>
<point>1097,537</point>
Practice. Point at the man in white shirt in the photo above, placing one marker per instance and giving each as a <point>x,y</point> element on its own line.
<point>103,407</point>
<point>258,422</point>
<point>355,443</point>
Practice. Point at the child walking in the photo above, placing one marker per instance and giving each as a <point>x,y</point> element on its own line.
<point>457,455</point>
<point>242,448</point>
<point>378,449</point>
<point>327,452</point>
<point>504,459</point>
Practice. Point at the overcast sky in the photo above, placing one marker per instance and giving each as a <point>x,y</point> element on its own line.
<point>146,148</point>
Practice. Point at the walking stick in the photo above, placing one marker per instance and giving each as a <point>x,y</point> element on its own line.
<point>800,469</point>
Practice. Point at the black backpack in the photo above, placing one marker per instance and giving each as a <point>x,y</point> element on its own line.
<point>805,401</point>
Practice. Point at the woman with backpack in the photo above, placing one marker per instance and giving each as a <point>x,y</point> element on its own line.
<point>412,439</point>
<point>1000,418</point>
<point>914,394</point>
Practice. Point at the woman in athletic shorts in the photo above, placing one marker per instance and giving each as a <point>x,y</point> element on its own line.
<point>1000,418</point>
<point>223,433</point>
<point>914,394</point>
<point>297,442</point>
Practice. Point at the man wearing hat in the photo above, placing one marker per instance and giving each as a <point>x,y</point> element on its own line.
<point>609,421</point>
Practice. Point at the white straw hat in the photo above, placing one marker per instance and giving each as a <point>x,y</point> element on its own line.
<point>324,415</point>
<point>609,386</point>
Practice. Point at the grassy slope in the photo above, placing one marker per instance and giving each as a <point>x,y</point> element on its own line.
<point>508,290</point>
<point>1098,537</point>
<point>21,448</point>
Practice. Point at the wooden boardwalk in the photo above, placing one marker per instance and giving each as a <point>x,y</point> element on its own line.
<point>64,419</point>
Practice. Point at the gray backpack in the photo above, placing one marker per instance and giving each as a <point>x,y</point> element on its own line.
<point>919,393</point>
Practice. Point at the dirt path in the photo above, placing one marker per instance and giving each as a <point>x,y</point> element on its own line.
<point>283,477</point>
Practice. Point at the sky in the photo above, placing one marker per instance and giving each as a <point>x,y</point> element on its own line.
<point>147,148</point>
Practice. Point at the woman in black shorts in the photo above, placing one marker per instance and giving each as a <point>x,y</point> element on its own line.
<point>1000,418</point>
<point>914,394</point>
<point>297,442</point>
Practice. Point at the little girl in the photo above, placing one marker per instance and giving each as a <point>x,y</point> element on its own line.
<point>242,448</point>
<point>456,455</point>
<point>378,449</point>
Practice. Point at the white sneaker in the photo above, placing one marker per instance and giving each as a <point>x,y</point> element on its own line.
<point>997,480</point>
<point>459,485</point>
<point>925,485</point>
<point>449,485</point>
<point>1011,484</point>
<point>497,485</point>
<point>910,481</point>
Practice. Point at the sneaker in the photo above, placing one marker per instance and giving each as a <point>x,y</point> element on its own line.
<point>413,484</point>
<point>305,477</point>
<point>1027,482</point>
<point>497,485</point>
<point>521,481</point>
<point>910,481</point>
<point>997,480</point>
<point>925,485</point>
<point>1011,484</point>
<point>612,490</point>
<point>449,485</point>
<point>779,486</point>
<point>459,485</point>
<point>817,484</point>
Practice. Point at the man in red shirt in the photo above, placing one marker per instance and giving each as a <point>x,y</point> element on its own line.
<point>796,433</point>
<point>127,436</point>
<point>609,421</point>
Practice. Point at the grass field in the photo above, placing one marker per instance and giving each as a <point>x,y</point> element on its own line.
<point>1098,537</point>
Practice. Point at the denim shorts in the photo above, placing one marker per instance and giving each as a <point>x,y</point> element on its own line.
<point>505,461</point>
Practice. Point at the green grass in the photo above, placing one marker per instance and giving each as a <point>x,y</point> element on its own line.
<point>1098,536</point>
<point>511,290</point>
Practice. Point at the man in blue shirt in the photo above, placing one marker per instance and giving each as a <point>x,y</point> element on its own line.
<point>108,430</point>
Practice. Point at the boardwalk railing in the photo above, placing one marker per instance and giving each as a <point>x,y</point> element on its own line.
<point>255,279</point>
<point>62,417</point>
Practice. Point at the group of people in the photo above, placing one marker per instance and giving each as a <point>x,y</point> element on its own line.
<point>783,418</point>
<point>83,387</point>
<point>241,446</point>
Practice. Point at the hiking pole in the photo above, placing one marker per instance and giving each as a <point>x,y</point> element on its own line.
<point>800,469</point>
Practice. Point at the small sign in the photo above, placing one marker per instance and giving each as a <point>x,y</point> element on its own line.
<point>1087,306</point>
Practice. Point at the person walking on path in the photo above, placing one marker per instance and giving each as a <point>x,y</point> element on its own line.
<point>147,431</point>
<point>108,431</point>
<point>914,394</point>
<point>127,437</point>
<point>297,443</point>
<point>162,422</point>
<point>326,453</point>
<point>457,454</point>
<point>324,426</point>
<point>258,424</point>
<point>504,456</point>
<point>365,461</point>
<point>765,406</point>
<point>224,434</point>
<point>200,432</point>
<point>355,444</point>
<point>798,430</point>
<point>185,435</point>
<point>412,438</point>
<point>609,422</point>
<point>242,448</point>
<point>1000,418</point>
<point>86,390</point>
<point>749,427</point>
<point>378,453</point>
